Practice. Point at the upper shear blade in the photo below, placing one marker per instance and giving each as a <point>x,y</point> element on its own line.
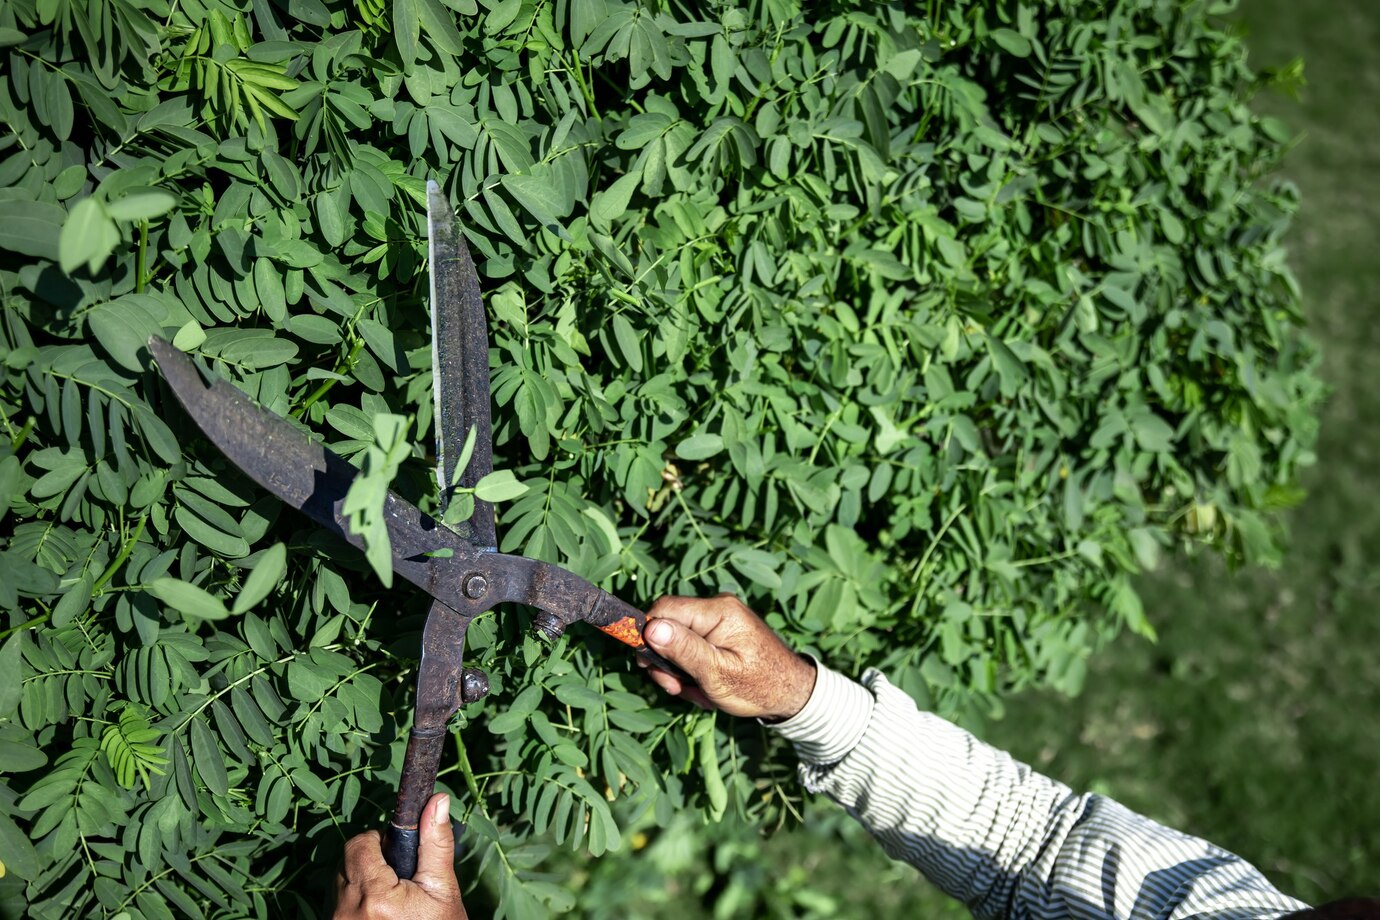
<point>460,365</point>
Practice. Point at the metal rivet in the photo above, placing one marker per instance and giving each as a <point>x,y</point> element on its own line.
<point>475,586</point>
<point>474,685</point>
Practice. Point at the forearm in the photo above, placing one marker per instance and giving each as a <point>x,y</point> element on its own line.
<point>994,833</point>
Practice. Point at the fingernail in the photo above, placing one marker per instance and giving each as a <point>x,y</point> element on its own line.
<point>659,633</point>
<point>442,813</point>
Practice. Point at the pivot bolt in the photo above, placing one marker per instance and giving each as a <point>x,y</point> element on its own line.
<point>476,586</point>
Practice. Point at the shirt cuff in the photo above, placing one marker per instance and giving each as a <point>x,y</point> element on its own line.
<point>832,722</point>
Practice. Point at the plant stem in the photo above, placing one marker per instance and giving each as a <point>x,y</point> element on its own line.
<point>125,550</point>
<point>585,87</point>
<point>139,266</point>
<point>36,621</point>
<point>465,769</point>
<point>325,386</point>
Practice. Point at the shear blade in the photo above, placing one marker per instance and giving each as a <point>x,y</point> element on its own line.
<point>304,474</point>
<point>460,364</point>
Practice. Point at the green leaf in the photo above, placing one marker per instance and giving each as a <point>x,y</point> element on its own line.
<point>187,599</point>
<point>902,64</point>
<point>263,578</point>
<point>628,342</point>
<point>74,603</point>
<point>19,757</point>
<point>538,198</point>
<point>364,502</point>
<point>579,696</point>
<point>505,722</point>
<point>208,759</point>
<point>210,536</point>
<point>1012,41</point>
<point>141,204</point>
<point>268,284</point>
<point>501,16</point>
<point>700,446</point>
<point>499,486</point>
<point>88,237</point>
<point>439,25</point>
<point>17,854</point>
<point>58,102</point>
<point>11,688</point>
<point>612,203</point>
<point>251,718</point>
<point>32,228</point>
<point>123,328</point>
<point>161,439</point>
<point>1152,432</point>
<point>311,785</point>
<point>329,218</point>
<point>1173,228</point>
<point>1010,368</point>
<point>190,337</point>
<point>306,682</point>
<point>407,28</point>
<point>711,774</point>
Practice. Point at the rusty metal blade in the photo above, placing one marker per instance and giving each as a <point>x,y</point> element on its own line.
<point>459,364</point>
<point>303,473</point>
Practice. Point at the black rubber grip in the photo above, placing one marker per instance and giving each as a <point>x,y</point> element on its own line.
<point>400,849</point>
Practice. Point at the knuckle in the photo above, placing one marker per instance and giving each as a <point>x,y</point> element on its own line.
<point>360,849</point>
<point>378,905</point>
<point>732,606</point>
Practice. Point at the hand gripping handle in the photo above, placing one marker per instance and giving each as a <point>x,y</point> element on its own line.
<point>420,764</point>
<point>620,620</point>
<point>626,624</point>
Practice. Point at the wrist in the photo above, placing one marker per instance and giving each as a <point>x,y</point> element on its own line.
<point>832,722</point>
<point>799,687</point>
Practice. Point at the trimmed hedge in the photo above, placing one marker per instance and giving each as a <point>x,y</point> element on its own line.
<point>924,333</point>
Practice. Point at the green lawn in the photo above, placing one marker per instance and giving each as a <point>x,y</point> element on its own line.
<point>1256,720</point>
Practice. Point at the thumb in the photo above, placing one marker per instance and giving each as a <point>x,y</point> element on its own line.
<point>436,850</point>
<point>682,646</point>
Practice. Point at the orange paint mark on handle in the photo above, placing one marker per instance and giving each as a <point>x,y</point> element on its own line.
<point>625,631</point>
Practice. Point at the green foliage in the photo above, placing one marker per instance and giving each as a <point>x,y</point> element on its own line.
<point>923,333</point>
<point>364,502</point>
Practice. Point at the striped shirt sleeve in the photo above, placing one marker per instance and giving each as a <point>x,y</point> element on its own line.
<point>998,836</point>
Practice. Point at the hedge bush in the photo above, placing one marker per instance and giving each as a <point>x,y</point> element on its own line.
<point>923,331</point>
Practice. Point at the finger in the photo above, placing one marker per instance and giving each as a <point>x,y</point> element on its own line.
<point>700,615</point>
<point>436,850</point>
<point>696,696</point>
<point>677,687</point>
<point>364,859</point>
<point>342,888</point>
<point>668,682</point>
<point>682,646</point>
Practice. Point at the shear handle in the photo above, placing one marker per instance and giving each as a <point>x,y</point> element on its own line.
<point>616,618</point>
<point>628,628</point>
<point>420,764</point>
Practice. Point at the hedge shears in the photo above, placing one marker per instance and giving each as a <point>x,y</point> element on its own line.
<point>460,567</point>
